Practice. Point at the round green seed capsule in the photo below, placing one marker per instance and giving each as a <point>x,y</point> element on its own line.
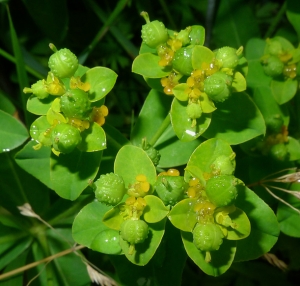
<point>134,231</point>
<point>217,86</point>
<point>170,189</point>
<point>153,153</point>
<point>63,63</point>
<point>65,138</point>
<point>228,57</point>
<point>39,89</point>
<point>223,165</point>
<point>182,61</point>
<point>222,190</point>
<point>273,47</point>
<point>273,66</point>
<point>75,103</point>
<point>207,237</point>
<point>194,110</point>
<point>110,189</point>
<point>153,33</point>
<point>107,241</point>
<point>279,152</point>
<point>183,36</point>
<point>274,123</point>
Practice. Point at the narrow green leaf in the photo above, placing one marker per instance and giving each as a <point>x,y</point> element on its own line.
<point>293,14</point>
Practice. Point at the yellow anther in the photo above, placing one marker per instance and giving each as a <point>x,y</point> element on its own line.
<point>196,73</point>
<point>190,81</point>
<point>99,114</point>
<point>173,172</point>
<point>75,82</point>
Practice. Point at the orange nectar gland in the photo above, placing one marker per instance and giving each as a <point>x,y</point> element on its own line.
<point>99,114</point>
<point>75,82</point>
<point>194,189</point>
<point>80,124</point>
<point>170,172</point>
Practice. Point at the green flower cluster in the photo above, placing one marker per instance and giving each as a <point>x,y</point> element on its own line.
<point>65,102</point>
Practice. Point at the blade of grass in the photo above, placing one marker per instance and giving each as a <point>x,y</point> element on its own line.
<point>120,6</point>
<point>127,45</point>
<point>20,65</point>
<point>30,70</point>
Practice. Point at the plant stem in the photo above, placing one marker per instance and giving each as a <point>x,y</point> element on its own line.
<point>36,263</point>
<point>161,130</point>
<point>276,21</point>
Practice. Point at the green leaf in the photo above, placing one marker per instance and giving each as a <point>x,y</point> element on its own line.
<point>289,219</point>
<point>38,128</point>
<point>147,65</point>
<point>293,148</point>
<point>284,91</point>
<point>201,55</point>
<point>132,161</point>
<point>182,125</point>
<point>266,103</point>
<point>155,209</point>
<point>182,215</point>
<point>35,162</point>
<point>239,82</point>
<point>93,139</point>
<point>242,225</point>
<point>264,229</point>
<point>12,132</point>
<point>112,218</point>
<point>221,259</point>
<point>39,106</point>
<point>71,173</point>
<point>88,223</point>
<point>232,28</point>
<point>147,123</point>
<point>225,125</point>
<point>101,79</point>
<point>293,14</point>
<point>168,146</point>
<point>144,251</point>
<point>179,92</point>
<point>66,275</point>
<point>55,12</point>
<point>256,75</point>
<point>18,248</point>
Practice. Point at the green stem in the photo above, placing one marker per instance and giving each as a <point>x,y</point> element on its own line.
<point>165,124</point>
<point>276,21</point>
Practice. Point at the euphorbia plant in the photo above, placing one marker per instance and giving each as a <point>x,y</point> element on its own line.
<point>188,179</point>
